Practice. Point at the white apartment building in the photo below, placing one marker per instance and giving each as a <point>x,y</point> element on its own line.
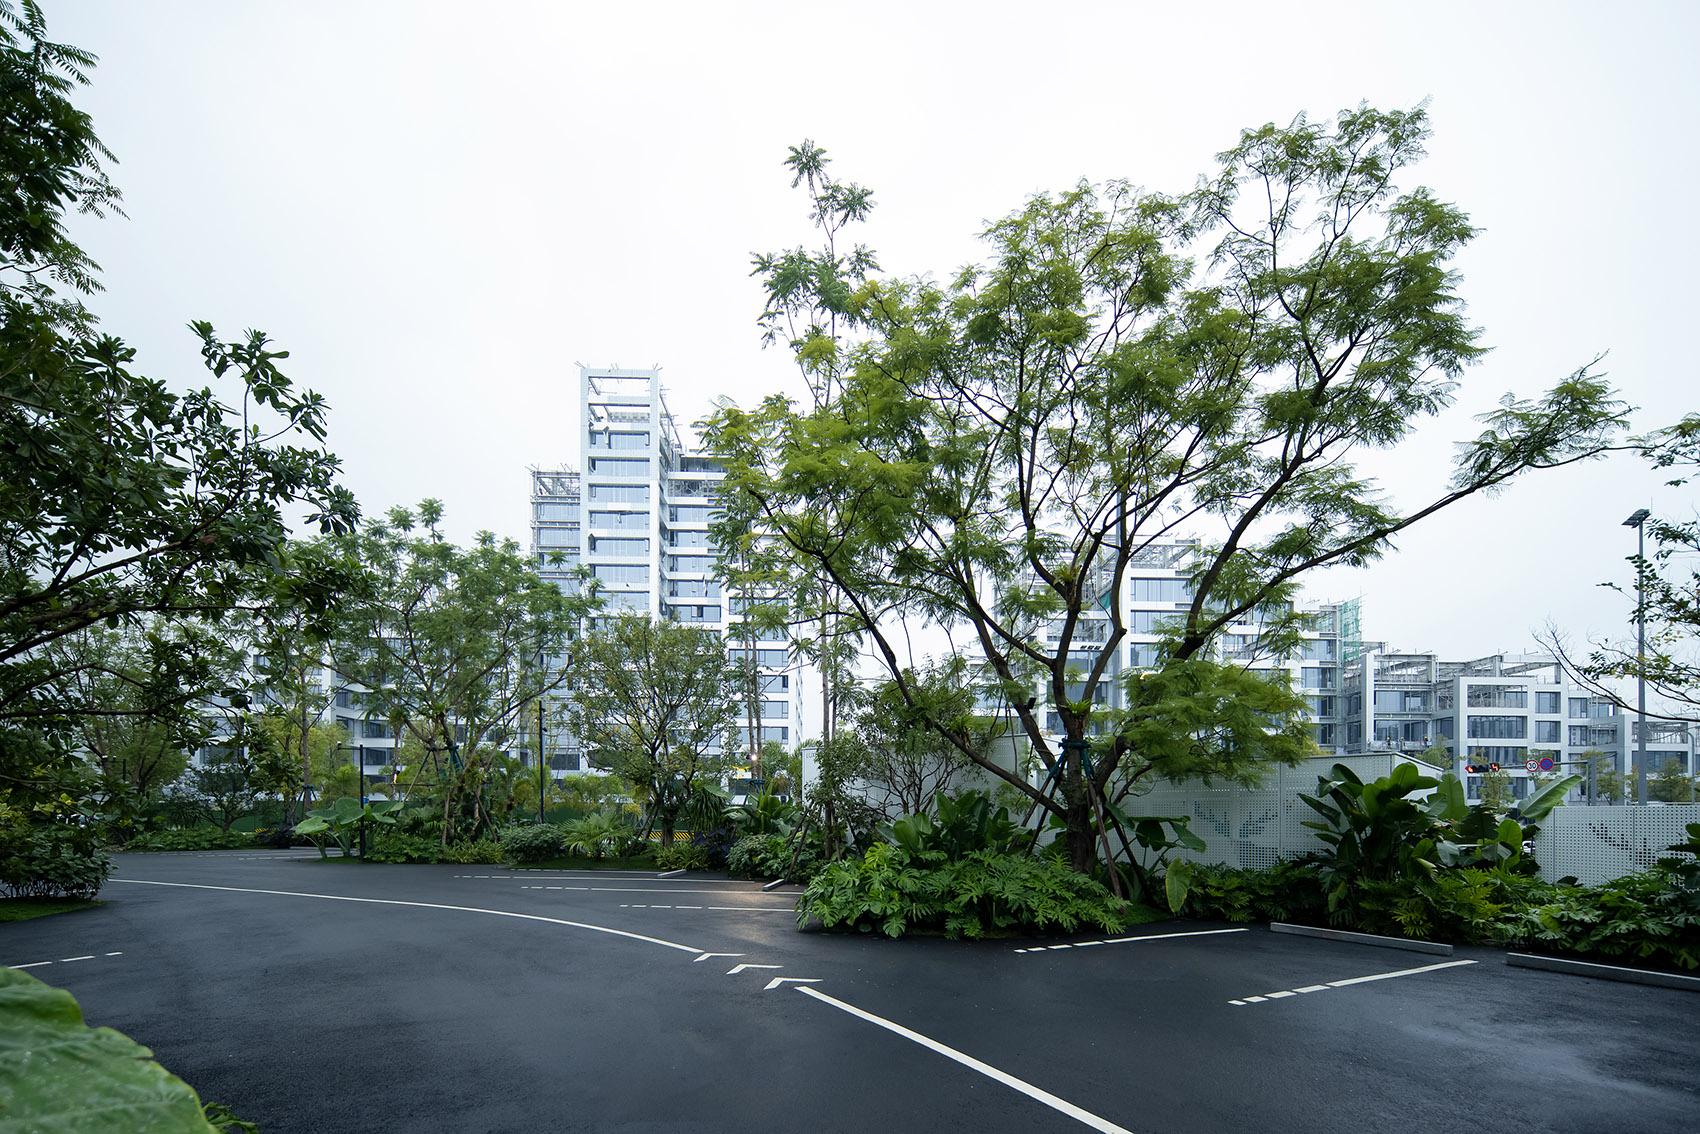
<point>637,515</point>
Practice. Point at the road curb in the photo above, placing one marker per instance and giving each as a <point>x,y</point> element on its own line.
<point>1603,972</point>
<point>1409,946</point>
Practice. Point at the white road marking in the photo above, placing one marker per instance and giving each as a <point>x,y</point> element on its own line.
<point>1129,940</point>
<point>706,956</point>
<point>31,965</point>
<point>779,980</point>
<point>736,969</point>
<point>66,960</point>
<point>1063,1106</point>
<point>417,905</point>
<point>1347,983</point>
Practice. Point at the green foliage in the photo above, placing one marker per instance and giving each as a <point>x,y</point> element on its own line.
<point>58,861</point>
<point>532,842</point>
<point>1288,891</point>
<point>344,820</point>
<point>991,452</point>
<point>964,824</point>
<point>774,856</point>
<point>57,1073</point>
<point>473,852</point>
<point>764,815</point>
<point>656,704</point>
<point>601,832</point>
<point>984,892</point>
<point>391,846</point>
<point>681,856</point>
<point>1651,916</point>
<point>192,839</point>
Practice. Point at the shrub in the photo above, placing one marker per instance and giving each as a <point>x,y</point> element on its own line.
<point>392,847</point>
<point>681,856</point>
<point>773,856</point>
<point>531,842</point>
<point>1651,916</point>
<point>192,839</point>
<point>1286,892</point>
<point>279,838</point>
<point>896,891</point>
<point>475,852</point>
<point>52,861</point>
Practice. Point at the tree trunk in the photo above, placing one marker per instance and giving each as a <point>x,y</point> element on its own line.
<point>1082,839</point>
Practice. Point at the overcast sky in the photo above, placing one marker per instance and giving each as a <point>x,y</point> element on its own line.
<point>441,209</point>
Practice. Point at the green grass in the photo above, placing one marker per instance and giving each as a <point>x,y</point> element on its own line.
<point>22,909</point>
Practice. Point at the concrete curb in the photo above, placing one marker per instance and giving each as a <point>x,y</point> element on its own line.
<point>1603,972</point>
<point>1409,946</point>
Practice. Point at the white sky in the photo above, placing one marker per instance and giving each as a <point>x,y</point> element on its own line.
<point>440,209</point>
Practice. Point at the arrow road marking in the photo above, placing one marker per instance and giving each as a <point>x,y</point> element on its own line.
<point>779,980</point>
<point>706,956</point>
<point>736,969</point>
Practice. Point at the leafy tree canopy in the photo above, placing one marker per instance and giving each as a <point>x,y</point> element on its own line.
<point>993,453</point>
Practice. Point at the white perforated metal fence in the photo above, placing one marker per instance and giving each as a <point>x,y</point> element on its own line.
<point>1597,844</point>
<point>1254,827</point>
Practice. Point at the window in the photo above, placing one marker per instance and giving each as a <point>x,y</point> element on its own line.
<point>1444,727</point>
<point>1496,697</point>
<point>1578,708</point>
<point>621,572</point>
<point>1152,621</point>
<point>1400,701</point>
<point>1144,655</point>
<point>1321,706</point>
<point>557,537</point>
<point>558,510</point>
<point>625,602</point>
<point>768,658</point>
<point>687,564</point>
<point>1547,732</point>
<point>609,439</point>
<point>1497,728</point>
<point>1548,703</point>
<point>776,733</point>
<point>775,710</point>
<point>695,588</point>
<point>620,493</point>
<point>693,514</point>
<point>344,699</point>
<point>603,545</point>
<point>1316,677</point>
<point>619,466</point>
<point>619,521</point>
<point>688,539</point>
<point>1160,590</point>
<point>1317,649</point>
<point>694,613</point>
<point>373,730</point>
<point>772,606</point>
<point>775,683</point>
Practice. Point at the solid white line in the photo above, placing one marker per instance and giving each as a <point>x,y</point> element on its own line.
<point>1061,1105</point>
<point>119,954</point>
<point>90,957</point>
<point>31,965</point>
<point>1400,973</point>
<point>1164,936</point>
<point>417,905</point>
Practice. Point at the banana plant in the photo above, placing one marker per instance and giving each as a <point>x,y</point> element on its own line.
<point>343,819</point>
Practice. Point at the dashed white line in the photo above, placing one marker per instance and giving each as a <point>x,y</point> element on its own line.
<point>1347,983</point>
<point>68,960</point>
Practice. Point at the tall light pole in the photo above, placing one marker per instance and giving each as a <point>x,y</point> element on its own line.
<point>1638,521</point>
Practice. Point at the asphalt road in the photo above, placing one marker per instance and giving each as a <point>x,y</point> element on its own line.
<point>330,997</point>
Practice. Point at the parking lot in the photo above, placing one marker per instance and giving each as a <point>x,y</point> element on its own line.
<point>329,996</point>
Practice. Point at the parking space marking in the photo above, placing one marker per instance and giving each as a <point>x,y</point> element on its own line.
<point>1347,983</point>
<point>1129,940</point>
<point>63,961</point>
<point>720,909</point>
<point>1063,1106</point>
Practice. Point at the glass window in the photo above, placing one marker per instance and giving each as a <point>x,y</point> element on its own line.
<point>1578,708</point>
<point>688,539</point>
<point>604,545</point>
<point>694,613</point>
<point>775,732</point>
<point>1506,728</point>
<point>1547,732</point>
<point>769,658</point>
<point>619,466</point>
<point>1546,702</point>
<point>686,564</point>
<point>557,510</point>
<point>621,572</point>
<point>620,493</point>
<point>1160,590</point>
<point>775,683</point>
<point>1496,697</point>
<point>557,537</point>
<point>619,521</point>
<point>1317,649</point>
<point>775,710</point>
<point>611,439</point>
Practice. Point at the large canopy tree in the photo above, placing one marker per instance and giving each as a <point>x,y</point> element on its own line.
<point>453,643</point>
<point>657,703</point>
<point>992,454</point>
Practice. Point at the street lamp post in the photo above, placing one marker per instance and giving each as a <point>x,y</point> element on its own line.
<point>542,768</point>
<point>1638,521</point>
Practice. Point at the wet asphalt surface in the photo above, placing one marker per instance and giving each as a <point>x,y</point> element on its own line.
<point>326,997</point>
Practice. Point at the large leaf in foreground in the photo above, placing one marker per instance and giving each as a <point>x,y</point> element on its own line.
<point>60,1076</point>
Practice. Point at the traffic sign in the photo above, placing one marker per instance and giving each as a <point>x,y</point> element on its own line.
<point>1532,765</point>
<point>1546,763</point>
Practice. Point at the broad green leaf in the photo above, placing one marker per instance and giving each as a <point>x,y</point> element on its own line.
<point>57,1074</point>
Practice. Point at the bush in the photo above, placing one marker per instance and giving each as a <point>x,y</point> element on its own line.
<point>681,856</point>
<point>1285,892</point>
<point>192,839</point>
<point>771,856</point>
<point>52,861</point>
<point>392,847</point>
<point>1650,916</point>
<point>278,838</point>
<point>480,852</point>
<point>532,842</point>
<point>896,891</point>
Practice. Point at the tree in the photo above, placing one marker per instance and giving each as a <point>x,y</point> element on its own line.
<point>993,453</point>
<point>656,705</point>
<point>453,645</point>
<point>1673,784</point>
<point>122,503</point>
<point>906,765</point>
